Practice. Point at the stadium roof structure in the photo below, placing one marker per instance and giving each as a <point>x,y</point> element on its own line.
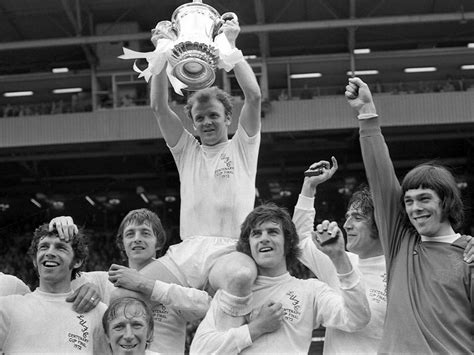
<point>41,35</point>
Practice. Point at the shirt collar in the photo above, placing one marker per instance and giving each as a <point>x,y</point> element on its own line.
<point>442,239</point>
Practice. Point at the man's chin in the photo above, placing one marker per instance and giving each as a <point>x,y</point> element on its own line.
<point>209,142</point>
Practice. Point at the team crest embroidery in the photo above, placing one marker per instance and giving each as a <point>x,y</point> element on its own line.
<point>226,167</point>
<point>160,313</point>
<point>379,296</point>
<point>292,309</point>
<point>80,341</point>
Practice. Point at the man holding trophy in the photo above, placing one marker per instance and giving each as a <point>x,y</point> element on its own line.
<point>217,179</point>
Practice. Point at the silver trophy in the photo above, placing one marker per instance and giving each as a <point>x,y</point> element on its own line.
<point>194,57</point>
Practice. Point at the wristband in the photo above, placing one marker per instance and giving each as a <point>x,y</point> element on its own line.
<point>234,57</point>
<point>367,116</point>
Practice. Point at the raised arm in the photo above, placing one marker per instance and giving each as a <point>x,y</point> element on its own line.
<point>169,122</point>
<point>348,308</point>
<point>303,218</point>
<point>379,169</point>
<point>330,240</point>
<point>250,115</point>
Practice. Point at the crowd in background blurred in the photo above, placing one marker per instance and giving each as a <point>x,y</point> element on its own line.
<point>81,102</point>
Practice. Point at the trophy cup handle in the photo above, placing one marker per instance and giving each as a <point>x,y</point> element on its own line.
<point>224,17</point>
<point>229,16</point>
<point>164,29</point>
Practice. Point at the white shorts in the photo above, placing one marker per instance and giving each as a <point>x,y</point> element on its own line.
<point>191,260</point>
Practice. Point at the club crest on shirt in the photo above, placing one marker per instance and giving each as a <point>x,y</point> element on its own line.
<point>160,313</point>
<point>80,341</point>
<point>225,167</point>
<point>376,295</point>
<point>292,307</point>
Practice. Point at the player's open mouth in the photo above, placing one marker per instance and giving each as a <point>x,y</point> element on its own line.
<point>420,219</point>
<point>49,263</point>
<point>265,249</point>
<point>128,347</point>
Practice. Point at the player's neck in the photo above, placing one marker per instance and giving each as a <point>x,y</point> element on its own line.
<point>55,287</point>
<point>136,265</point>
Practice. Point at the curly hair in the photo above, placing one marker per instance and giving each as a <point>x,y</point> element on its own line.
<point>137,217</point>
<point>205,95</point>
<point>123,306</point>
<point>439,179</point>
<point>79,245</point>
<point>362,200</point>
<point>270,212</point>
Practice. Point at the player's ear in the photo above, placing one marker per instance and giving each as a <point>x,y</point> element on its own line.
<point>77,263</point>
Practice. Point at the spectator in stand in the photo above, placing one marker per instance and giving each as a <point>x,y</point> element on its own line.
<point>126,101</point>
<point>283,95</point>
<point>306,93</point>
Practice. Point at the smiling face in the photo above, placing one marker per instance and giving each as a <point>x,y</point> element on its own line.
<point>361,238</point>
<point>423,207</point>
<point>210,121</point>
<point>55,262</point>
<point>267,247</point>
<point>140,244</point>
<point>128,332</point>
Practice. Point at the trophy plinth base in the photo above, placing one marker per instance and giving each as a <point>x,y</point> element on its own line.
<point>194,64</point>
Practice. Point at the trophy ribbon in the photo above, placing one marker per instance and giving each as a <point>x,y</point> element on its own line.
<point>157,59</point>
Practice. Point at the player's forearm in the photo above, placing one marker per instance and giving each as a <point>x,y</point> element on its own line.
<point>145,286</point>
<point>346,309</point>
<point>159,93</point>
<point>308,189</point>
<point>341,262</point>
<point>383,182</point>
<point>357,310</point>
<point>180,297</point>
<point>247,81</point>
<point>318,262</point>
<point>303,216</point>
<point>212,341</point>
<point>120,292</point>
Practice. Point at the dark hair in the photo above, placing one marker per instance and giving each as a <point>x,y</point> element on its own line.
<point>123,304</point>
<point>362,200</point>
<point>78,243</point>
<point>439,179</point>
<point>271,212</point>
<point>205,95</point>
<point>141,216</point>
